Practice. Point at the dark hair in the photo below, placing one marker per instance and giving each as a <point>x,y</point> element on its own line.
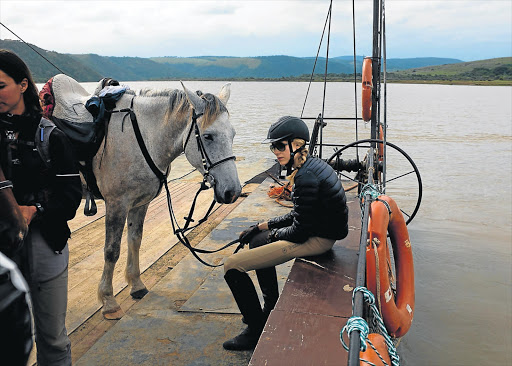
<point>14,66</point>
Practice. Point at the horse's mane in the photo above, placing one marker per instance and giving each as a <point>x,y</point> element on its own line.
<point>180,105</point>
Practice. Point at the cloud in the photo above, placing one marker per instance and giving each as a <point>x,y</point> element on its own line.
<point>252,28</point>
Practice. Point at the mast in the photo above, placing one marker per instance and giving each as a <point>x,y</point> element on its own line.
<point>355,342</point>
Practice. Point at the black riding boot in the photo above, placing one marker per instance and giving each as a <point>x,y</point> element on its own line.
<point>247,300</point>
<point>267,278</point>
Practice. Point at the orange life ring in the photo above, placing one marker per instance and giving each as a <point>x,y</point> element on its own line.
<point>370,355</point>
<point>367,89</point>
<point>381,146</point>
<point>396,313</point>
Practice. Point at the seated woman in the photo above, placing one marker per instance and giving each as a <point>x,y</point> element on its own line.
<point>318,218</point>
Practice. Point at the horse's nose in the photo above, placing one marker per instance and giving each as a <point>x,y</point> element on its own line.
<point>230,196</point>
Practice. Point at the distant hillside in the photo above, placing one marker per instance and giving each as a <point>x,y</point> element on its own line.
<point>42,70</point>
<point>280,66</point>
<point>91,67</point>
<point>496,69</point>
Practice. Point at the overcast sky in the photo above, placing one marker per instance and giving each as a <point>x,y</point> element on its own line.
<point>466,30</point>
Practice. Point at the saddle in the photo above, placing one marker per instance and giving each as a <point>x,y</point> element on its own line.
<point>84,119</point>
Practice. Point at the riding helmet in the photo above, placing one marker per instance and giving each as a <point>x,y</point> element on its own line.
<point>287,128</point>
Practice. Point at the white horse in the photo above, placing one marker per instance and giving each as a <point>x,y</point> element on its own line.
<point>127,183</point>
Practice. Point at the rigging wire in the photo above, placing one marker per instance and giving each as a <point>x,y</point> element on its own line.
<point>33,49</point>
<point>325,78</point>
<point>316,59</point>
<point>384,125</point>
<point>355,74</point>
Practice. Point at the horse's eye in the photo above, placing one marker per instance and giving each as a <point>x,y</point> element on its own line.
<point>208,137</point>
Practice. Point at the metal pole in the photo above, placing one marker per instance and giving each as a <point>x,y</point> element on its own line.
<point>375,69</point>
<point>355,343</point>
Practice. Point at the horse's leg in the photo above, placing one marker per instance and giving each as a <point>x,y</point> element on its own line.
<point>115,218</point>
<point>135,226</point>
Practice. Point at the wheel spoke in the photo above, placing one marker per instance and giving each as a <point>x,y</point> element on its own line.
<point>406,214</point>
<point>400,176</point>
<point>346,176</point>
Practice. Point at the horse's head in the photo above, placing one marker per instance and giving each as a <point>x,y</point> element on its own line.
<point>212,152</point>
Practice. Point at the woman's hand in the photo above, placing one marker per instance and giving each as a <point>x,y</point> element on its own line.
<point>28,212</point>
<point>246,235</point>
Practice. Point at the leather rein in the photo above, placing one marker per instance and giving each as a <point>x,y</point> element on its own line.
<point>207,183</point>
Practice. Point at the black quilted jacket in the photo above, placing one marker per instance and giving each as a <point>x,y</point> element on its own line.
<point>319,206</point>
<point>58,188</point>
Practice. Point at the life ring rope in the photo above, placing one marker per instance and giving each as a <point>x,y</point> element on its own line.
<point>384,345</point>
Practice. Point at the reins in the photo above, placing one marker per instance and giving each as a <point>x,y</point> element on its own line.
<point>205,184</point>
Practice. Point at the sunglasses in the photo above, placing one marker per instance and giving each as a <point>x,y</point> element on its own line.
<point>281,146</point>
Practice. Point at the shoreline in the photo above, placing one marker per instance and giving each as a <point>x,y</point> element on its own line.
<point>344,80</point>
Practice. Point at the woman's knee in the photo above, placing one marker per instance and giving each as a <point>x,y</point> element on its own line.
<point>231,263</point>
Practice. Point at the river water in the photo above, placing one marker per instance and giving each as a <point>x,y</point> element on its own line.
<point>460,138</point>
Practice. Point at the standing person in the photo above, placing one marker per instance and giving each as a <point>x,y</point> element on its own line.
<point>49,193</point>
<point>319,217</point>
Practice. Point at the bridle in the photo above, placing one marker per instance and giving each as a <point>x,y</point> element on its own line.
<point>207,163</point>
<point>207,183</point>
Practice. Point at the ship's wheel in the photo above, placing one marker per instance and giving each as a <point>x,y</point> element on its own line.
<point>400,180</point>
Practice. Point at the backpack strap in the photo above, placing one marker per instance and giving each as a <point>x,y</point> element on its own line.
<point>42,140</point>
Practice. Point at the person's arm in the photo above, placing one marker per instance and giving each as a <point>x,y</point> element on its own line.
<point>28,212</point>
<point>66,188</point>
<point>280,221</point>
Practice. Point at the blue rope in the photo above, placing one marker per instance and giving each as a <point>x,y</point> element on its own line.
<point>371,189</point>
<point>374,193</point>
<point>356,323</point>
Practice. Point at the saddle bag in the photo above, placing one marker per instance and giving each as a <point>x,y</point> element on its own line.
<point>85,135</point>
<point>84,119</point>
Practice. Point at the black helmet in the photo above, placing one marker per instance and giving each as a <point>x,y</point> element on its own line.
<point>287,128</point>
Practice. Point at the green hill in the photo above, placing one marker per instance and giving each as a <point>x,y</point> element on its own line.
<point>91,67</point>
<point>498,70</point>
<point>42,70</point>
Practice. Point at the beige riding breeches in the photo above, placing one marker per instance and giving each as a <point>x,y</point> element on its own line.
<point>275,253</point>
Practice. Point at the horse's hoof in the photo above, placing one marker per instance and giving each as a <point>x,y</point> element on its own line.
<point>113,315</point>
<point>139,294</point>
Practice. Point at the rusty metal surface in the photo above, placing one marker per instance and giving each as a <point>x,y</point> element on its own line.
<point>305,340</point>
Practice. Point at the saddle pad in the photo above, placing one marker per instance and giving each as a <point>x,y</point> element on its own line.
<point>70,99</point>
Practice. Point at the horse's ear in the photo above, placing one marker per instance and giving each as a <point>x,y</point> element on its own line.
<point>224,93</point>
<point>194,99</point>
